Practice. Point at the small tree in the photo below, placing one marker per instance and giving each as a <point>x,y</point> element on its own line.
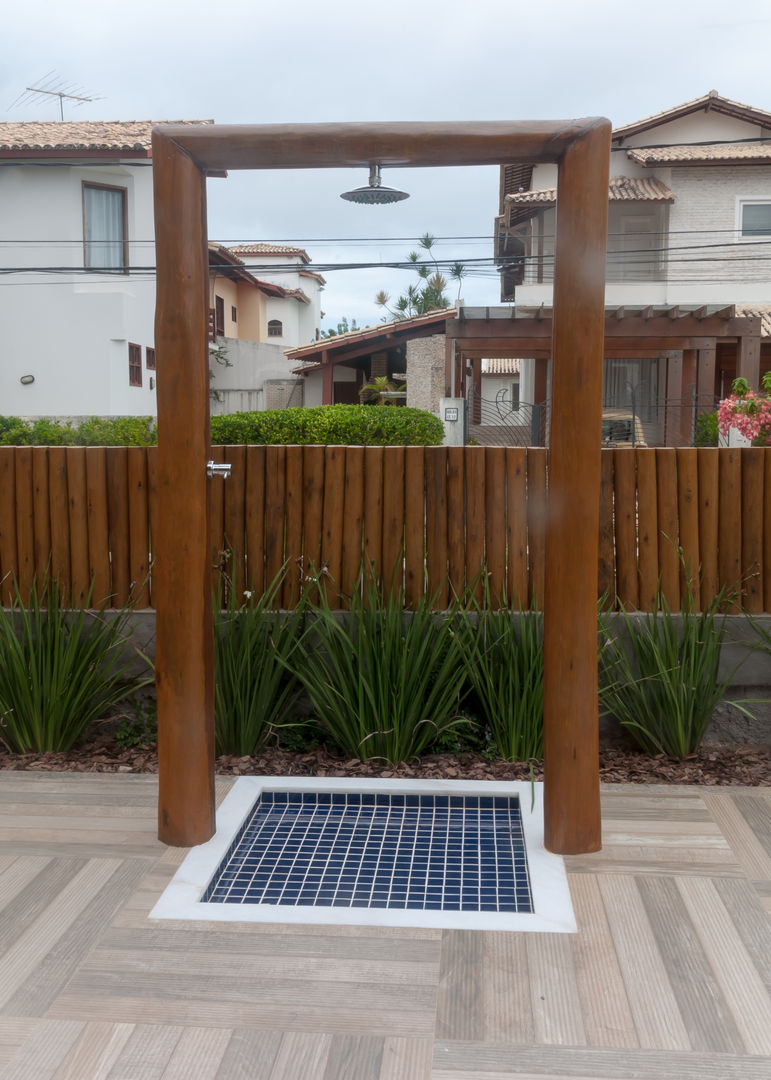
<point>342,328</point>
<point>429,292</point>
<point>376,390</point>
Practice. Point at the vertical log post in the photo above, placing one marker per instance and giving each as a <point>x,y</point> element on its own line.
<point>571,723</point>
<point>181,573</point>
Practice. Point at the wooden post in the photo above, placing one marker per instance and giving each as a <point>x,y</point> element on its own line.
<point>327,380</point>
<point>748,359</point>
<point>571,723</point>
<point>181,574</point>
<point>705,379</point>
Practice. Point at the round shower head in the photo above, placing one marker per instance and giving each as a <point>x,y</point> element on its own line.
<point>374,193</point>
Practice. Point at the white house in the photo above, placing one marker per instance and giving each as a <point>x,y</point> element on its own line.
<point>77,294</point>
<point>689,232</point>
<point>77,301</point>
<point>288,267</point>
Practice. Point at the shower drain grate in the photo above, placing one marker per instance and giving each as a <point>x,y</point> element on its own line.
<point>359,850</point>
<point>449,854</point>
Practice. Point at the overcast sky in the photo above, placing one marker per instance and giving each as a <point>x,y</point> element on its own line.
<point>252,61</point>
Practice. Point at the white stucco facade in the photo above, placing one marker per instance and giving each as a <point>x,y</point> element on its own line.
<point>70,330</point>
<point>686,251</point>
<point>76,196</point>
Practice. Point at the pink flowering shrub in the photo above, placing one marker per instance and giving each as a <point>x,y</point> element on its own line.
<point>747,411</point>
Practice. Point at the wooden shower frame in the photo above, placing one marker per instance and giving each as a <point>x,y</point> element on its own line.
<point>183,156</point>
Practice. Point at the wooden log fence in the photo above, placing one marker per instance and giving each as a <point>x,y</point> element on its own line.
<point>427,519</point>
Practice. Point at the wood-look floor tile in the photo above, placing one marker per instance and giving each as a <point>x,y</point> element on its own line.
<point>403,1058</point>
<point>740,981</point>
<point>198,1054</point>
<point>55,968</point>
<point>554,996</point>
<point>744,905</point>
<point>747,848</point>
<point>484,1061</point>
<point>146,1053</point>
<point>250,1054</point>
<point>44,1049</point>
<point>95,1052</point>
<point>604,1006</point>
<point>656,1012</point>
<point>707,1018</point>
<point>30,949</point>
<point>354,1057</point>
<point>301,1054</point>
<point>756,811</point>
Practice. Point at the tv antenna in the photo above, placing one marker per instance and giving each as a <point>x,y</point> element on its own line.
<point>52,85</point>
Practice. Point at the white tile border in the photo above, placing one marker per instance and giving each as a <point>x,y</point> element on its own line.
<point>548,880</point>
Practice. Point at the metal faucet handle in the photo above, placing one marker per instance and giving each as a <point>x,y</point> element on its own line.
<point>212,469</point>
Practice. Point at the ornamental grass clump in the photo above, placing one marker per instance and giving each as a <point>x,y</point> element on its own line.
<point>663,685</point>
<point>61,669</point>
<point>256,687</point>
<point>384,682</point>
<point>503,654</point>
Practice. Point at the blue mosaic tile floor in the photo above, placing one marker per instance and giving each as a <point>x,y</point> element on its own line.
<point>419,852</point>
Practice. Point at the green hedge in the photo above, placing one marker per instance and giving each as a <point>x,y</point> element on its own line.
<point>353,425</point>
<point>349,425</point>
<point>116,431</point>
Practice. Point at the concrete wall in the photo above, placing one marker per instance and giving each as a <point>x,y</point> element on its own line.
<point>253,364</point>
<point>425,372</point>
<point>752,680</point>
<point>71,331</point>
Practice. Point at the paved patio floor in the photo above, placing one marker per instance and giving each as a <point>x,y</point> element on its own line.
<point>668,976</point>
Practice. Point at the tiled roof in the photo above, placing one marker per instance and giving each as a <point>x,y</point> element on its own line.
<point>723,153</point>
<point>498,365</point>
<point>366,333</point>
<point>129,136</point>
<point>269,249</point>
<point>757,311</point>
<point>298,294</point>
<point>620,189</point>
<point>312,274</point>
<point>711,100</point>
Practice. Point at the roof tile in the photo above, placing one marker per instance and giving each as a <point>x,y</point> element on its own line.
<point>712,153</point>
<point>620,189</point>
<point>111,135</point>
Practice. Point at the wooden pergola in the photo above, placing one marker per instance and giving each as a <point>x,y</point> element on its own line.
<point>183,156</point>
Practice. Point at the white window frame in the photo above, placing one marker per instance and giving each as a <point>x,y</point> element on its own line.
<point>123,241</point>
<point>741,202</point>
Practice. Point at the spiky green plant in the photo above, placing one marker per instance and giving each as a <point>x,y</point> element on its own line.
<point>664,683</point>
<point>503,654</point>
<point>60,669</point>
<point>255,684</point>
<point>384,683</point>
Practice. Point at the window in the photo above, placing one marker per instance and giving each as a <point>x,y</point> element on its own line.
<point>755,219</point>
<point>515,396</point>
<point>233,314</point>
<point>275,328</point>
<point>219,316</point>
<point>105,243</point>
<point>150,358</point>
<point>135,365</point>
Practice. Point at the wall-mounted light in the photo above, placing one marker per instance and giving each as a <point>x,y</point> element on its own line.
<point>152,383</point>
<point>27,380</point>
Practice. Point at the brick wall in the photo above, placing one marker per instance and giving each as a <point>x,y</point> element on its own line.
<point>705,212</point>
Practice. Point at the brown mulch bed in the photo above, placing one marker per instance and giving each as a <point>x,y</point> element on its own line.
<point>619,763</point>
